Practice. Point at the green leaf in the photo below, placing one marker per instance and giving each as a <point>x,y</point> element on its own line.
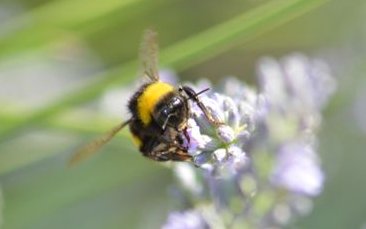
<point>57,20</point>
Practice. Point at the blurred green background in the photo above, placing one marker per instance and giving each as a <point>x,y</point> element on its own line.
<point>59,59</point>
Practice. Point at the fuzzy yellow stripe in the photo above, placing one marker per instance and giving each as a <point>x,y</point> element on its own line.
<point>149,98</point>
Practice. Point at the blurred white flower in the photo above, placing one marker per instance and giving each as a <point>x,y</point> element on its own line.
<point>188,178</point>
<point>297,169</point>
<point>185,220</point>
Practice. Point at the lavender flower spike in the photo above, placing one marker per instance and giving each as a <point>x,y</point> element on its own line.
<point>260,168</point>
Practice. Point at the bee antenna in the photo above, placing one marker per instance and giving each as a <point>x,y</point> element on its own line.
<point>191,93</point>
<point>203,91</point>
<point>194,96</point>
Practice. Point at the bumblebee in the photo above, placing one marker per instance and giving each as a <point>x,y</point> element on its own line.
<point>159,114</point>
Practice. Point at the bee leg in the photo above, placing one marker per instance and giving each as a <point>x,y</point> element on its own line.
<point>185,132</point>
<point>172,137</point>
<point>171,156</point>
<point>166,152</point>
<point>159,146</point>
<point>181,157</point>
<point>194,96</point>
<point>182,141</point>
<point>161,156</point>
<point>165,139</point>
<point>156,150</point>
<point>178,154</point>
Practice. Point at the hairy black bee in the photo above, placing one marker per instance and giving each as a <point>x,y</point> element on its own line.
<point>159,114</point>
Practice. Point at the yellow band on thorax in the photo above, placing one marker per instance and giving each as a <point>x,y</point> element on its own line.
<point>149,98</point>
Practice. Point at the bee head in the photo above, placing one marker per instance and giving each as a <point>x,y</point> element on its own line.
<point>171,111</point>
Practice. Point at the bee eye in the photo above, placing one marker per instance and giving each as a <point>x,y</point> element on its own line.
<point>165,112</point>
<point>171,113</point>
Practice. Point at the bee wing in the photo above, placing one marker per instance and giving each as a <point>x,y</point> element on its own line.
<point>149,55</point>
<point>91,148</point>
